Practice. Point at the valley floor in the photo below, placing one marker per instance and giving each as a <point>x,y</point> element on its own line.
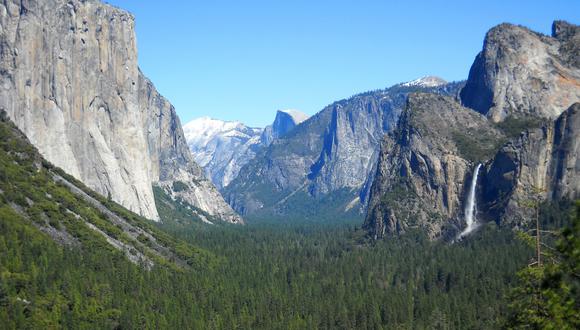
<point>263,276</point>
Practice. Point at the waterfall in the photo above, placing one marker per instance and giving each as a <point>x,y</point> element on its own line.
<point>471,205</point>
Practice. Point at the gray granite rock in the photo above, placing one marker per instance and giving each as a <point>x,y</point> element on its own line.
<point>69,80</point>
<point>222,148</point>
<point>523,73</point>
<point>541,163</point>
<point>332,153</point>
<point>424,164</point>
<point>520,77</point>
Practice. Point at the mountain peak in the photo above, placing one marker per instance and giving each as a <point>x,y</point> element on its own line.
<point>204,129</point>
<point>284,122</point>
<point>427,81</point>
<point>497,86</point>
<point>297,115</point>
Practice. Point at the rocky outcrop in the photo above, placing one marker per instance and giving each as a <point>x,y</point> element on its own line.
<point>569,37</point>
<point>328,161</point>
<point>173,167</point>
<point>69,80</point>
<point>523,73</point>
<point>542,163</point>
<point>525,83</point>
<point>424,164</point>
<point>284,123</point>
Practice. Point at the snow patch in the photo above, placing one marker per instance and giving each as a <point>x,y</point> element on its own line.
<point>428,81</point>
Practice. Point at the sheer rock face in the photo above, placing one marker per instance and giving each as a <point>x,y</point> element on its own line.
<point>69,80</point>
<point>284,123</point>
<point>333,152</point>
<point>171,158</point>
<point>424,164</point>
<point>541,163</point>
<point>519,74</point>
<point>522,73</point>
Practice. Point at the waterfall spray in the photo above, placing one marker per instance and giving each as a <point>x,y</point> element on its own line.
<point>470,206</point>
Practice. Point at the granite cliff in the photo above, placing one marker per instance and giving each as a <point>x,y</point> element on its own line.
<point>325,164</point>
<point>541,163</point>
<point>522,73</point>
<point>523,128</point>
<point>69,80</point>
<point>424,164</point>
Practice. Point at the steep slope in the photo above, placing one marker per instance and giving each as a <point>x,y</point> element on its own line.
<point>37,194</point>
<point>222,148</point>
<point>522,81</point>
<point>71,83</point>
<point>327,162</point>
<point>173,168</point>
<point>523,73</point>
<point>542,163</point>
<point>73,259</point>
<point>424,164</point>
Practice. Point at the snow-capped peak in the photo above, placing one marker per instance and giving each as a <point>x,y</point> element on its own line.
<point>222,148</point>
<point>428,81</point>
<point>203,129</point>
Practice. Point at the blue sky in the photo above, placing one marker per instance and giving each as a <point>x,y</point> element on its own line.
<point>243,60</point>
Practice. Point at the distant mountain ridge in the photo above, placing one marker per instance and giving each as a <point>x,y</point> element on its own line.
<point>218,146</point>
<point>284,122</point>
<point>327,162</point>
<point>428,81</point>
<point>222,148</point>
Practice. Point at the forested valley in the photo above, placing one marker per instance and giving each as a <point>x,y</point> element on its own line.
<point>264,276</point>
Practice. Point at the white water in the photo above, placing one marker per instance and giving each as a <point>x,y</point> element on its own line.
<point>471,205</point>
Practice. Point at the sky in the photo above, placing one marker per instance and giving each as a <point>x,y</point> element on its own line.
<point>243,60</point>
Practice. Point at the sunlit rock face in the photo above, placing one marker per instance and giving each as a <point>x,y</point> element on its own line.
<point>328,161</point>
<point>520,72</point>
<point>426,165</point>
<point>540,163</point>
<point>521,122</point>
<point>69,80</point>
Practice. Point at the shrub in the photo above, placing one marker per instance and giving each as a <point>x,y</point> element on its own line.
<point>179,186</point>
<point>514,126</point>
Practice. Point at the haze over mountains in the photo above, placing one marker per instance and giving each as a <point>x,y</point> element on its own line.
<point>326,163</point>
<point>222,148</point>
